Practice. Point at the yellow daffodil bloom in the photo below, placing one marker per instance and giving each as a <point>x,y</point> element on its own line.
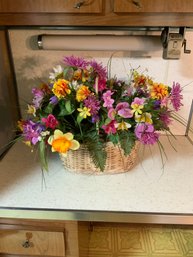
<point>158,91</point>
<point>145,117</point>
<point>84,112</point>
<point>61,142</point>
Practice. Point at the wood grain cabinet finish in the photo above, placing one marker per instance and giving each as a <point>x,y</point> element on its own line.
<point>36,243</point>
<point>21,237</point>
<point>51,6</point>
<point>153,6</point>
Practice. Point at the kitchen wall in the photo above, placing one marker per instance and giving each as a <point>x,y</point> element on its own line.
<point>33,66</point>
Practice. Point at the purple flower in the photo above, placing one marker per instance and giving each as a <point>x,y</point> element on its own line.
<point>93,104</point>
<point>54,100</point>
<point>123,110</point>
<point>38,97</point>
<point>108,101</point>
<point>176,96</point>
<point>99,69</point>
<point>32,131</point>
<point>95,118</point>
<point>146,134</point>
<point>77,62</point>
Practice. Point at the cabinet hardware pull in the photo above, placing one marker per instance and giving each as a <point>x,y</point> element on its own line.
<point>79,4</point>
<point>27,244</point>
<point>137,3</point>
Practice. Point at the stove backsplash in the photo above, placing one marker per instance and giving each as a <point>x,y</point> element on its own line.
<point>33,66</point>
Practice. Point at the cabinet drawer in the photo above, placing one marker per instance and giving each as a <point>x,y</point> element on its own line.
<point>50,6</point>
<point>23,242</point>
<point>158,6</point>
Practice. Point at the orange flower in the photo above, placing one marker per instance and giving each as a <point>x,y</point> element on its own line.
<point>158,91</point>
<point>62,142</point>
<point>82,93</point>
<point>61,88</point>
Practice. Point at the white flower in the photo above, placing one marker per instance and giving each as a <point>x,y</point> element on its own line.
<point>57,71</point>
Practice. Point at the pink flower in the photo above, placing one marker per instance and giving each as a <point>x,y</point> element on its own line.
<point>111,113</point>
<point>146,134</point>
<point>176,96</point>
<point>108,101</point>
<point>110,127</point>
<point>50,121</point>
<point>123,110</point>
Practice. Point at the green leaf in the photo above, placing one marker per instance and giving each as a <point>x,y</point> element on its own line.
<point>49,108</point>
<point>43,157</point>
<point>127,141</point>
<point>96,150</point>
<point>69,108</point>
<point>79,119</point>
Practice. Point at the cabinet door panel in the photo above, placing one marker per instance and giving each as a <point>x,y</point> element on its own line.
<point>158,6</point>
<point>50,6</point>
<point>36,243</point>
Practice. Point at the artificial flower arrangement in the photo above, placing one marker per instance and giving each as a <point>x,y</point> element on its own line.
<point>82,105</point>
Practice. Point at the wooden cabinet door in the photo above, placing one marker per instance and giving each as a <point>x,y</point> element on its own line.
<point>51,6</point>
<point>153,6</point>
<point>36,243</point>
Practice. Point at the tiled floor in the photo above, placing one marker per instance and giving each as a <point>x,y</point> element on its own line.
<point>112,240</point>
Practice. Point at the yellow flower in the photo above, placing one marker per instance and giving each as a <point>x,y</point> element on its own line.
<point>122,125</point>
<point>31,109</point>
<point>61,142</point>
<point>158,91</point>
<point>61,88</point>
<point>84,112</point>
<point>82,93</point>
<point>145,117</point>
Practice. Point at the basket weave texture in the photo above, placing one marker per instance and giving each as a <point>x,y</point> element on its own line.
<point>80,161</point>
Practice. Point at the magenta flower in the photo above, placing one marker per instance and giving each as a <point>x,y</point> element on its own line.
<point>110,127</point>
<point>32,131</point>
<point>38,97</point>
<point>146,134</point>
<point>123,110</point>
<point>77,62</point>
<point>176,96</point>
<point>93,104</point>
<point>50,121</point>
<point>101,85</point>
<point>108,101</point>
<point>165,118</point>
<point>99,69</point>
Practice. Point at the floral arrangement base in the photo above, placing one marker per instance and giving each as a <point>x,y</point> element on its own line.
<point>80,161</point>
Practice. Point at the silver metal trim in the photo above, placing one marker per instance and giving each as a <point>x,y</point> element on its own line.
<point>39,42</point>
<point>97,216</point>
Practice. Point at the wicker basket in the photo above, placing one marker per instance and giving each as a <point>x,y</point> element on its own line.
<point>79,161</point>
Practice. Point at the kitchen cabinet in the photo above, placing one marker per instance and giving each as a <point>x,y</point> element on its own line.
<point>51,6</point>
<point>9,113</point>
<point>100,13</point>
<point>24,237</point>
<point>153,6</point>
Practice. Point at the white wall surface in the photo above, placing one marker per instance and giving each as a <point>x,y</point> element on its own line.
<point>33,66</point>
